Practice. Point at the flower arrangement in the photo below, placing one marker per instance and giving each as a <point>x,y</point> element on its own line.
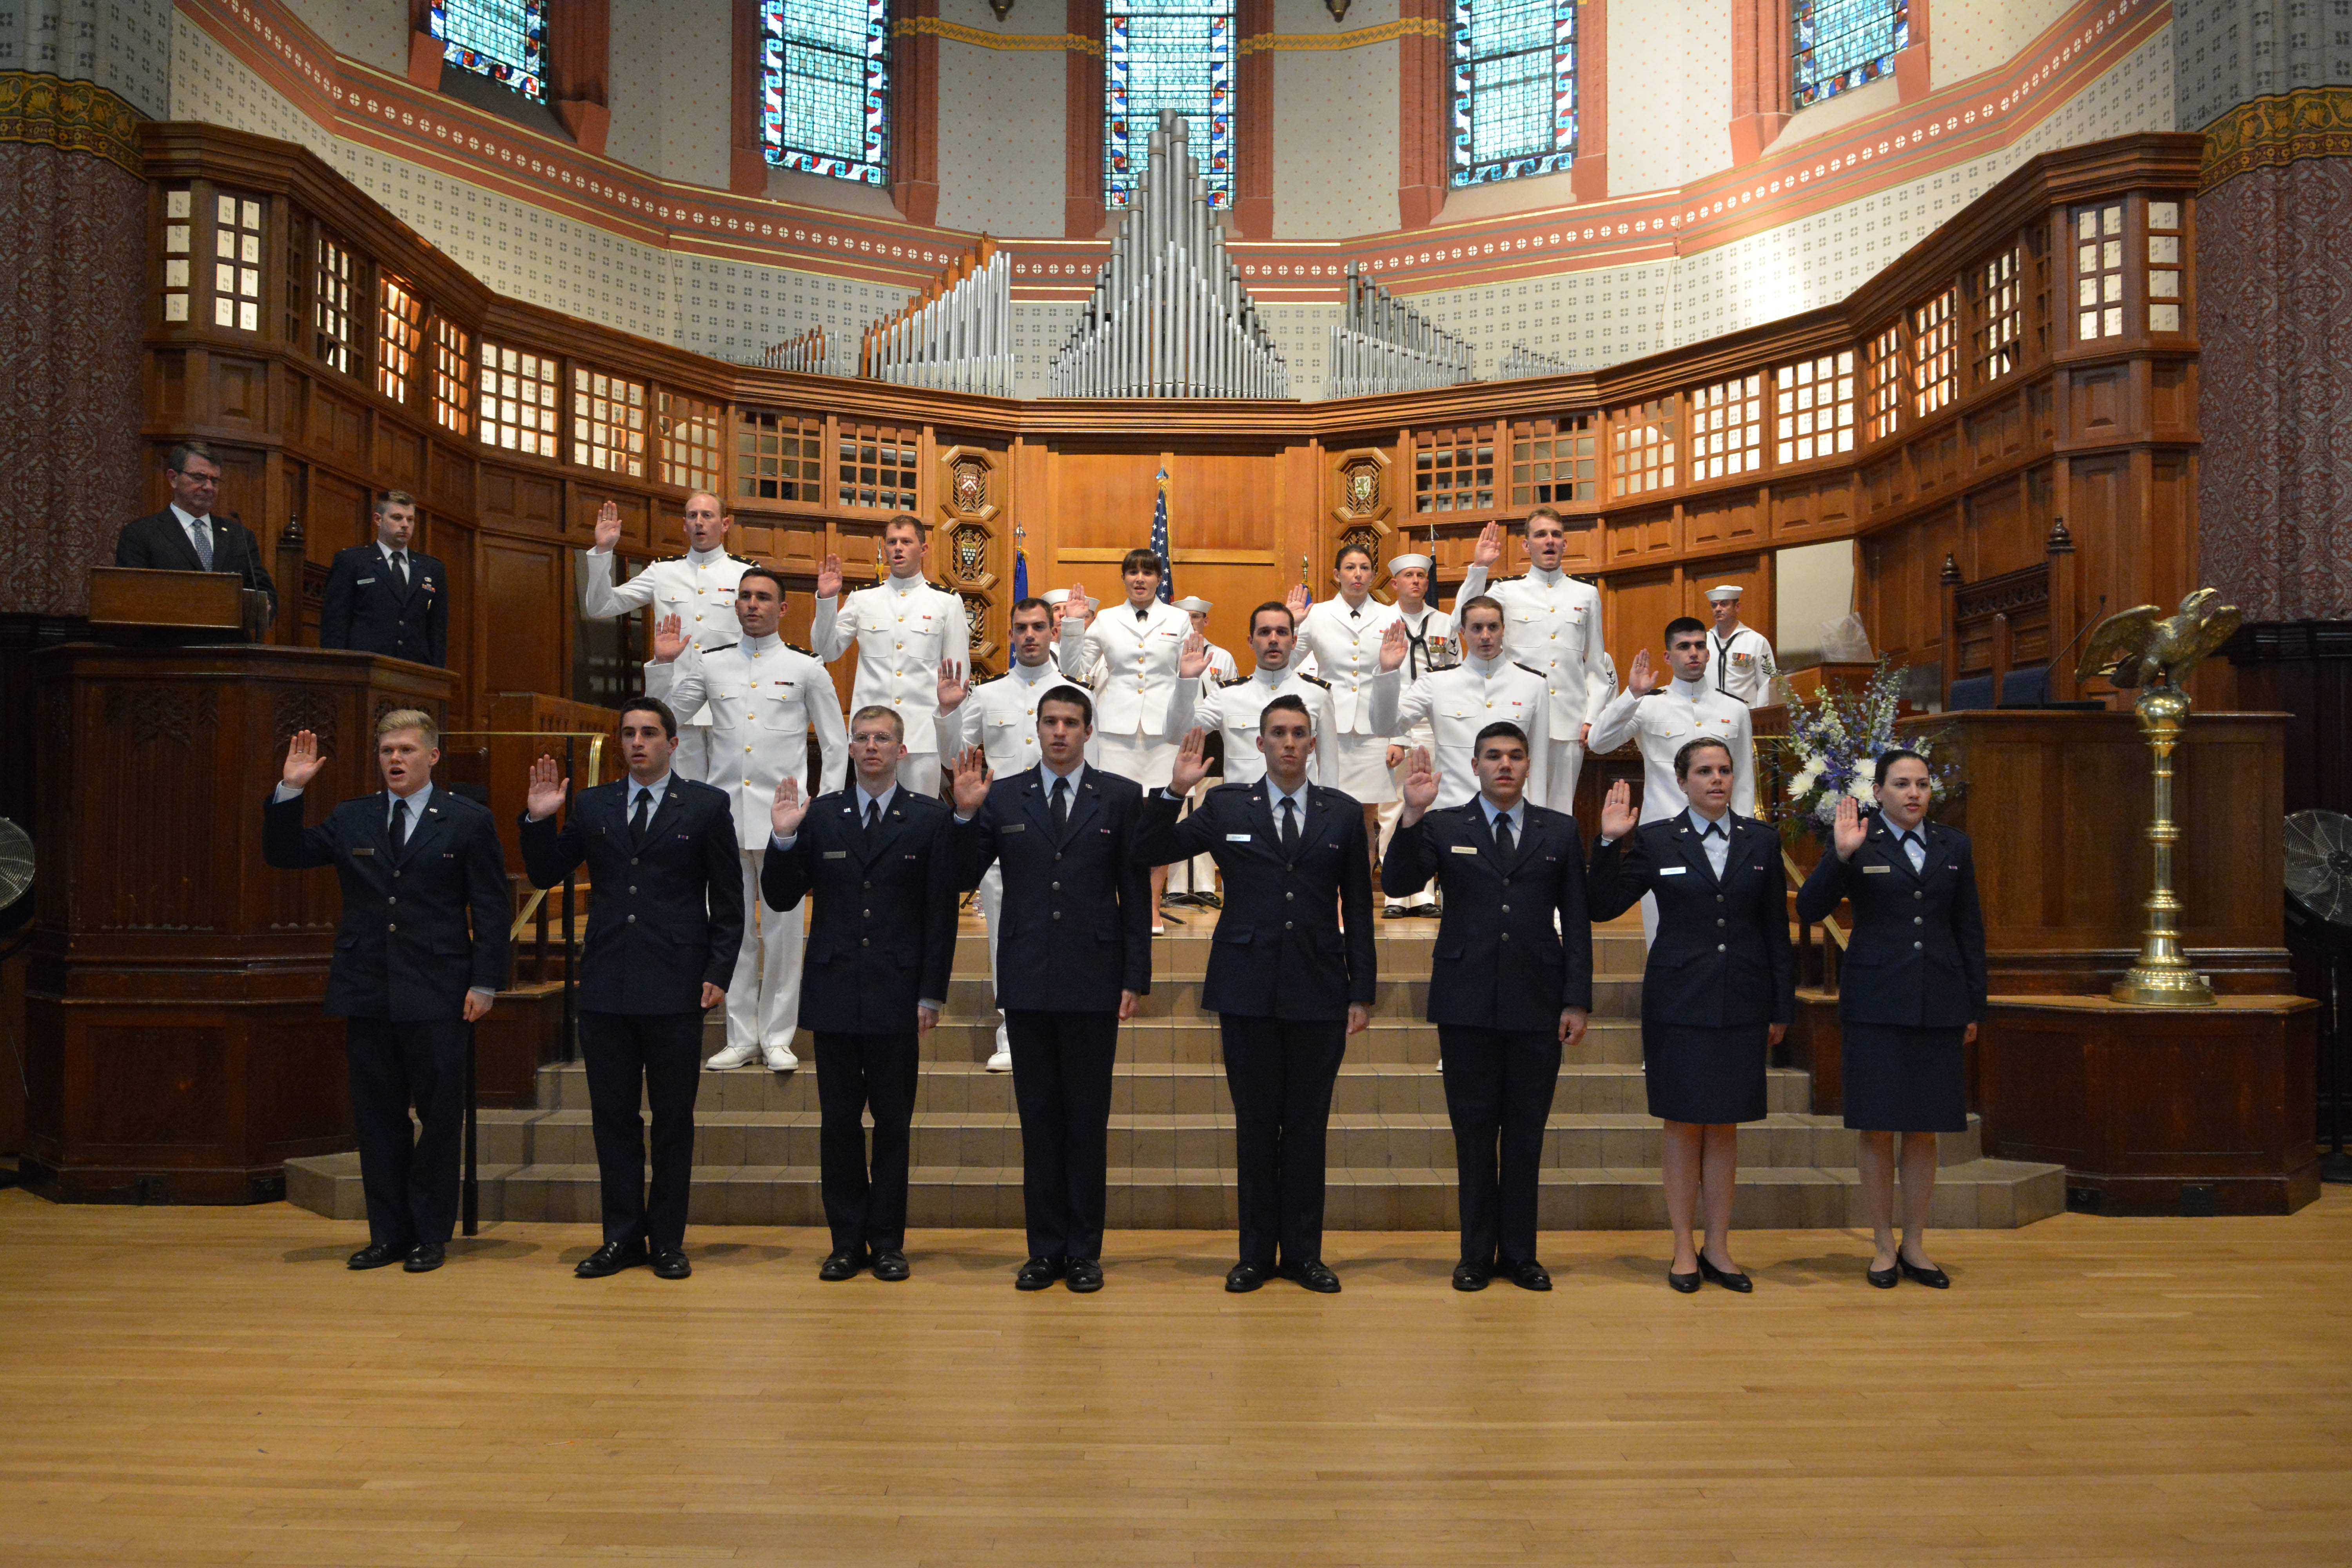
<point>1833,747</point>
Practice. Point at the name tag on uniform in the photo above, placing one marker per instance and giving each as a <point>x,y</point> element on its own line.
<point>837,854</point>
<point>356,853</point>
<point>1013,827</point>
<point>1672,870</point>
<point>1465,849</point>
<point>1237,838</point>
<point>1876,870</point>
<point>363,582</point>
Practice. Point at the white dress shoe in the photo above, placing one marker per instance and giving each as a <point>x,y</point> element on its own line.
<point>734,1056</point>
<point>781,1058</point>
<point>1002,1061</point>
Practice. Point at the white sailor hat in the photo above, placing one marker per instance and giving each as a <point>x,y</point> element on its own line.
<point>1410,563</point>
<point>1722,592</point>
<point>1195,606</point>
<point>1057,598</point>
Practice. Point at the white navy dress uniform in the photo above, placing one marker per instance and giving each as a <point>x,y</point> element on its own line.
<point>1199,875</point>
<point>1457,704</point>
<point>1234,709</point>
<point>699,588</point>
<point>1089,678</point>
<point>1551,624</point>
<point>903,629</point>
<point>1662,723</point>
<point>1135,655</point>
<point>1429,645</point>
<point>998,715</point>
<point>1341,643</point>
<point>763,696</point>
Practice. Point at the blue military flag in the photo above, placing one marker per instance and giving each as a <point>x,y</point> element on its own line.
<point>1019,574</point>
<point>1160,541</point>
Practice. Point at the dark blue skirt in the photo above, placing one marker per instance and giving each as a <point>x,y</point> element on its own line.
<point>1704,1075</point>
<point>1903,1078</point>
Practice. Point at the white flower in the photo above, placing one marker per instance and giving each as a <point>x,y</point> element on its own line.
<point>1807,780</point>
<point>1863,795</point>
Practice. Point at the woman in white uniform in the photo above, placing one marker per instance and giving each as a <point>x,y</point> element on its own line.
<point>1135,648</point>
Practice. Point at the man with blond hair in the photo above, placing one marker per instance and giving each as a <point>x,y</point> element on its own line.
<point>697,587</point>
<point>419,955</point>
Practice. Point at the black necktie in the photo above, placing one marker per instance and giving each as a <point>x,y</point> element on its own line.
<point>1289,825</point>
<point>1505,840</point>
<point>400,569</point>
<point>399,823</point>
<point>1916,849</point>
<point>873,818</point>
<point>1061,807</point>
<point>1143,615</point>
<point>643,816</point>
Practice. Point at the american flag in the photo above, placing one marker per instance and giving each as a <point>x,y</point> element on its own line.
<point>1160,541</point>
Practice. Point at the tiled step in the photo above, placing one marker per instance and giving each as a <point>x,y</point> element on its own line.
<point>1973,1194</point>
<point>1355,1140</point>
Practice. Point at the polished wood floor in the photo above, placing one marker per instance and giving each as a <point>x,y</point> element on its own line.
<point>192,1386</point>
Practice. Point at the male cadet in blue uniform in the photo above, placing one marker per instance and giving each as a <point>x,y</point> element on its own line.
<point>663,934</point>
<point>877,859</point>
<point>1511,986</point>
<point>1290,984</point>
<point>1075,955</point>
<point>408,975</point>
<point>386,597</point>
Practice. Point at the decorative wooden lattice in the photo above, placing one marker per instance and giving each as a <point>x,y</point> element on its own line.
<point>400,334</point>
<point>453,378</point>
<point>1813,408</point>
<point>1884,394</point>
<point>1554,461</point>
<point>778,457</point>
<point>333,297</point>
<point>179,246</point>
<point>608,422</point>
<point>2165,241</point>
<point>1727,428</point>
<point>688,432</point>
<point>1453,470</point>
<point>1642,441</point>
<point>876,467</point>
<point>518,409</point>
<point>1935,354</point>
<point>1997,300</point>
<point>236,262</point>
<point>2099,271</point>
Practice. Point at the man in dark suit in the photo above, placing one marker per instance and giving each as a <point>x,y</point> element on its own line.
<point>386,597</point>
<point>1510,989</point>
<point>1074,955</point>
<point>878,859</point>
<point>1289,981</point>
<point>662,935</point>
<point>409,977</point>
<point>185,536</point>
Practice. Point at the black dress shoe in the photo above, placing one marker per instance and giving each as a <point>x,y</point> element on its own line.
<point>841,1265</point>
<point>376,1255</point>
<point>1315,1276</point>
<point>1933,1278</point>
<point>424,1257</point>
<point>1243,1277</point>
<point>1037,1273</point>
<point>1687,1284</point>
<point>1730,1279</point>
<point>1885,1278</point>
<point>1086,1276</point>
<point>611,1259</point>
<point>670,1264</point>
<point>891,1266</point>
<point>1395,912</point>
<point>1469,1277</point>
<point>1529,1276</point>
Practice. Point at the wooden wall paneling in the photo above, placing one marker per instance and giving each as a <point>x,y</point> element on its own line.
<point>1632,536</point>
<point>399,457</point>
<point>2001,538</point>
<point>454,544</point>
<point>1636,609</point>
<point>342,515</point>
<point>240,393</point>
<point>518,500</point>
<point>1726,520</point>
<point>1753,574</point>
<point>523,583</point>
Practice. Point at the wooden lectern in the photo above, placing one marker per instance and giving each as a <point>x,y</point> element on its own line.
<point>175,607</point>
<point>177,1050</point>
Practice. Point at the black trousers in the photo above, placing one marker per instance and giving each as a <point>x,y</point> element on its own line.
<point>1280,1071</point>
<point>1062,1082</point>
<point>855,1073</point>
<point>1499,1090</point>
<point>409,1176</point>
<point>655,1058</point>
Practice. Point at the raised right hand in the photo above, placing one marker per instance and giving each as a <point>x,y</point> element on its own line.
<point>953,686</point>
<point>1420,782</point>
<point>1641,679</point>
<point>1488,551</point>
<point>547,790</point>
<point>1192,761</point>
<point>828,577</point>
<point>1851,830</point>
<point>1193,658</point>
<point>670,641</point>
<point>784,816</point>
<point>972,780</point>
<point>1296,602</point>
<point>303,760</point>
<point>608,526</point>
<point>1618,815</point>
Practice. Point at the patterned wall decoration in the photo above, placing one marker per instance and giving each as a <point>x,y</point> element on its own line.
<point>970,488</point>
<point>69,330</point>
<point>2235,51</point>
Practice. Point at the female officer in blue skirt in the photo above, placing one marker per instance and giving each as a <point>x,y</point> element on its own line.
<point>1911,993</point>
<point>1719,988</point>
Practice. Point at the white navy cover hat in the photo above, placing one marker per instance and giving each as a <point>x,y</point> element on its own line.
<point>1195,606</point>
<point>1721,591</point>
<point>1410,563</point>
<point>1057,598</point>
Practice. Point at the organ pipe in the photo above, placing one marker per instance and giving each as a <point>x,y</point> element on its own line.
<point>1382,345</point>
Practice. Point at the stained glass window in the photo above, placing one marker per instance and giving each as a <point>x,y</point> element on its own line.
<point>1841,44</point>
<point>1167,54</point>
<point>825,86</point>
<point>1514,88</point>
<point>505,40</point>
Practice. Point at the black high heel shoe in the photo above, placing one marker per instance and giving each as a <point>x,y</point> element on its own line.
<point>1934,1279</point>
<point>1729,1278</point>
